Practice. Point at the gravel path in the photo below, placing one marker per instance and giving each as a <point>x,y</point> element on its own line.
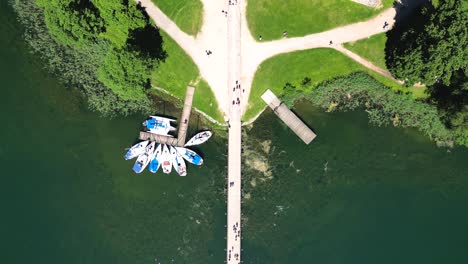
<point>213,37</point>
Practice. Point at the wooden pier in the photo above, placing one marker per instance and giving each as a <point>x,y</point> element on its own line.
<point>182,127</point>
<point>288,117</point>
<point>185,116</point>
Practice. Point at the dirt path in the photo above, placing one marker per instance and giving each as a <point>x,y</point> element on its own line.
<point>366,63</point>
<point>213,36</point>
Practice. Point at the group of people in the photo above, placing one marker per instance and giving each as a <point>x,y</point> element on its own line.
<point>208,52</point>
<point>238,86</point>
<point>236,102</point>
<point>232,2</point>
<point>236,230</point>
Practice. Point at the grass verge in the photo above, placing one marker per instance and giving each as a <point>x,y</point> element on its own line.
<point>269,18</point>
<point>372,49</point>
<point>178,71</point>
<point>187,14</point>
<point>318,65</point>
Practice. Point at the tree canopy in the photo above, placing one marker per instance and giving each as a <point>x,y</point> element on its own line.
<point>432,46</point>
<point>125,73</point>
<point>72,22</point>
<point>132,46</point>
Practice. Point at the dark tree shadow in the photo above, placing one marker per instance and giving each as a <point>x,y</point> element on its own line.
<point>143,11</point>
<point>407,8</point>
<point>148,41</point>
<point>410,18</point>
<point>452,99</point>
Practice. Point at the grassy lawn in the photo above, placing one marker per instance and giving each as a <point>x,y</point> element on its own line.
<point>317,64</point>
<point>177,72</point>
<point>187,14</point>
<point>372,49</point>
<point>269,18</point>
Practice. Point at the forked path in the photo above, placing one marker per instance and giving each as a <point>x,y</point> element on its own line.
<point>214,37</point>
<point>229,71</point>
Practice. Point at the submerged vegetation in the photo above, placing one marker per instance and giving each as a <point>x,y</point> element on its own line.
<point>112,52</point>
<point>305,70</point>
<point>384,107</point>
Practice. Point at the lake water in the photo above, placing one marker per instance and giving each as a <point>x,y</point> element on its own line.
<point>357,194</point>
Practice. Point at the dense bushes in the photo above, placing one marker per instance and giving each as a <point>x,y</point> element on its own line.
<point>91,45</point>
<point>430,46</point>
<point>125,73</point>
<point>383,105</point>
<point>72,22</point>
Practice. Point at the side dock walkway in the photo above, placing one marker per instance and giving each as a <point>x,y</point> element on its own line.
<point>288,117</point>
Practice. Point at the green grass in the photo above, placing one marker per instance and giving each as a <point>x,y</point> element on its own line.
<point>372,49</point>
<point>269,18</point>
<point>317,64</point>
<point>187,14</point>
<point>178,71</point>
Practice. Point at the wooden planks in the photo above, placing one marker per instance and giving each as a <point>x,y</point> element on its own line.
<point>183,124</point>
<point>185,116</point>
<point>288,117</point>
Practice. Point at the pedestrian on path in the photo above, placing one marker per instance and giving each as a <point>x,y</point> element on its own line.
<point>385,25</point>
<point>331,43</point>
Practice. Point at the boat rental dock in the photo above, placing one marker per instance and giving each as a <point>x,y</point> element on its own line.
<point>182,127</point>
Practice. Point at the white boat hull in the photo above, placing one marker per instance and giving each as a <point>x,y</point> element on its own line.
<point>190,156</point>
<point>199,138</point>
<point>166,160</point>
<point>155,161</point>
<point>178,163</point>
<point>136,150</point>
<point>144,159</point>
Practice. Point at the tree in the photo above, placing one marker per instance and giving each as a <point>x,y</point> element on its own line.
<point>432,46</point>
<point>120,16</point>
<point>72,22</point>
<point>126,73</point>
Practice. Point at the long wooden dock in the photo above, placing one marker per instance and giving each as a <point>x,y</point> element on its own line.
<point>185,116</point>
<point>288,117</point>
<point>182,127</point>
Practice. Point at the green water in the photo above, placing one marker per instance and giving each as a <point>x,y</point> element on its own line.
<point>357,194</point>
<point>68,196</point>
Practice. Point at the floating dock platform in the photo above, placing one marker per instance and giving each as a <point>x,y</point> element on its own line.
<point>182,127</point>
<point>288,117</point>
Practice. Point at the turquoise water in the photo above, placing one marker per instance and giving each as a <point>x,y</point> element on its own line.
<point>357,194</point>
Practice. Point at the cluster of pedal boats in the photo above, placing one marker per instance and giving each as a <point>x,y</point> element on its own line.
<point>153,155</point>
